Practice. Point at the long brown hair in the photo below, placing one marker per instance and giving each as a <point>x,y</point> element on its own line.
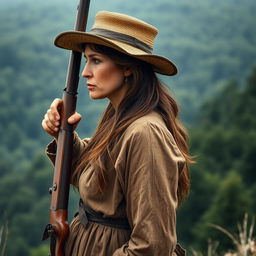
<point>145,94</point>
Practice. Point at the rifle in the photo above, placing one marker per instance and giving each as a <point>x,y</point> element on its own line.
<point>58,229</point>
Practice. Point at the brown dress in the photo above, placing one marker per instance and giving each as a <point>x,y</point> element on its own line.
<point>142,187</point>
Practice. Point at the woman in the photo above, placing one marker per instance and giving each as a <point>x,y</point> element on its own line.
<point>133,173</point>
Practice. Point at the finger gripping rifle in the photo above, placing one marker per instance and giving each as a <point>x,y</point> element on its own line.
<point>58,228</point>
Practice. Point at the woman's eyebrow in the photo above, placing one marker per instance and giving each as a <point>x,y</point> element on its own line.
<point>91,55</point>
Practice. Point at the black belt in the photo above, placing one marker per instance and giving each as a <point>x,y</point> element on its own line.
<point>87,214</point>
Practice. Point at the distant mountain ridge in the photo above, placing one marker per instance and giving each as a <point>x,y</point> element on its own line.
<point>209,40</point>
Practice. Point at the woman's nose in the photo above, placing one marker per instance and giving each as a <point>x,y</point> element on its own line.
<point>86,72</point>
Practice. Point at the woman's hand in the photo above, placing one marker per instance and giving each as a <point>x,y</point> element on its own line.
<point>51,121</point>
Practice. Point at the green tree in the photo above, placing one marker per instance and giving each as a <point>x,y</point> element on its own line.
<point>42,250</point>
<point>203,186</point>
<point>229,205</point>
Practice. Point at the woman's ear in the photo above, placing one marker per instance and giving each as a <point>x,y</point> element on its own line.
<point>127,72</point>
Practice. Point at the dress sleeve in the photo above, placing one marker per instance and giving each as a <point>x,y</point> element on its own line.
<point>151,176</point>
<point>78,147</point>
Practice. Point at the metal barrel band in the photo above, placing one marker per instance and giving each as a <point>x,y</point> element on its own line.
<point>69,92</point>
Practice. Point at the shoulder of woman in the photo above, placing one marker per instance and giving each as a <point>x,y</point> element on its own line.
<point>151,130</point>
<point>149,135</point>
<point>147,131</point>
<point>149,123</point>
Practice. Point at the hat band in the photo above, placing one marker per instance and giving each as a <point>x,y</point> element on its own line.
<point>122,38</point>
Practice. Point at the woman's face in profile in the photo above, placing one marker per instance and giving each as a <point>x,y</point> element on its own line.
<point>105,79</point>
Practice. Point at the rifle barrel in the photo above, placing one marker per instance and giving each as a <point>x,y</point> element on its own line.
<point>58,228</point>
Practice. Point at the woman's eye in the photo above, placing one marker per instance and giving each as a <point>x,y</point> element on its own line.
<point>96,61</point>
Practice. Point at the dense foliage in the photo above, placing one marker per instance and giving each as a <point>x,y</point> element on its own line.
<point>223,181</point>
<point>213,44</point>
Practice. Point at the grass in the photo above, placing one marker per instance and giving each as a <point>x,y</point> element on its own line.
<point>3,238</point>
<point>244,240</point>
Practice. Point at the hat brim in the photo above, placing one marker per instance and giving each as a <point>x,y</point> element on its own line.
<point>74,40</point>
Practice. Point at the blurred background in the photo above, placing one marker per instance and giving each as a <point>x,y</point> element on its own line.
<point>212,42</point>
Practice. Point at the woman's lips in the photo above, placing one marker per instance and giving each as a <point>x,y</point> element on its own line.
<point>90,86</point>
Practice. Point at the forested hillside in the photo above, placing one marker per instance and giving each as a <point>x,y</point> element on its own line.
<point>212,43</point>
<point>223,181</point>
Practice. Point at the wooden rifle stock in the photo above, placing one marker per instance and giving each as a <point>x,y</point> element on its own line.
<point>58,229</point>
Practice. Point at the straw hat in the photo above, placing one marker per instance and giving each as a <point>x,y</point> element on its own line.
<point>122,33</point>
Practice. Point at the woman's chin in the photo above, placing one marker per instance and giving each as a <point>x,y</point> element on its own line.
<point>95,96</point>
